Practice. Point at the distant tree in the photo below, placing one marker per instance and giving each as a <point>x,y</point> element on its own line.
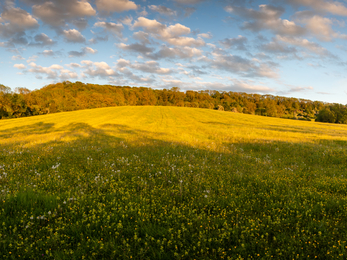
<point>326,115</point>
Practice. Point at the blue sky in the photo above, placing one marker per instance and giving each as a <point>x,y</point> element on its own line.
<point>293,48</point>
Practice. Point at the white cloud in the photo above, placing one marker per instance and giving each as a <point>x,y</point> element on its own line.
<point>320,27</point>
<point>17,57</point>
<point>189,2</point>
<point>141,36</point>
<point>333,7</point>
<point>185,52</point>
<point>162,10</point>
<point>57,12</point>
<point>237,86</point>
<point>171,34</point>
<point>111,27</point>
<point>127,20</point>
<point>32,58</point>
<point>82,53</point>
<point>205,35</point>
<point>98,69</point>
<point>152,26</point>
<point>267,18</point>
<point>74,36</point>
<point>241,66</point>
<point>42,40</point>
<point>148,67</point>
<point>239,43</point>
<point>176,30</point>
<point>306,44</point>
<point>16,20</point>
<point>110,6</point>
<point>121,63</point>
<point>48,53</point>
<point>20,18</point>
<point>74,65</point>
<point>136,47</point>
<point>178,52</point>
<point>54,71</point>
<point>19,66</point>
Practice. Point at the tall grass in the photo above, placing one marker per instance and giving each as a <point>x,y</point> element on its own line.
<point>171,183</point>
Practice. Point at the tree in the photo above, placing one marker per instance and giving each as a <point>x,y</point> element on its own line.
<point>326,115</point>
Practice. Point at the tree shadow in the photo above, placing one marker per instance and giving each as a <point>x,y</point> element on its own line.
<point>34,129</point>
<point>254,177</point>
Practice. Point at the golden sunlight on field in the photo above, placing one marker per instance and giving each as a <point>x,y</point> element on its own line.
<point>171,183</point>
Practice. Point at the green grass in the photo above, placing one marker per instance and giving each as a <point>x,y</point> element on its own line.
<point>171,183</point>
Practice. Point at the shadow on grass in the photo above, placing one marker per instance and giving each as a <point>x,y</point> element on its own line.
<point>257,177</point>
<point>34,129</point>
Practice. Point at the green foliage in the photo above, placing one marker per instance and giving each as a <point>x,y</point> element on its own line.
<point>335,113</point>
<point>68,96</point>
<point>171,183</point>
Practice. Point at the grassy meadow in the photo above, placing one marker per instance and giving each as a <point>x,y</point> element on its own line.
<point>171,183</point>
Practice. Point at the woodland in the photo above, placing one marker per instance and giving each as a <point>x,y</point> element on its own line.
<point>68,96</point>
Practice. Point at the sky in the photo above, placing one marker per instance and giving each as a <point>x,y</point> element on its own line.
<point>292,48</point>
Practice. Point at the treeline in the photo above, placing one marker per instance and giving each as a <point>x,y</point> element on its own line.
<point>67,96</point>
<point>333,113</point>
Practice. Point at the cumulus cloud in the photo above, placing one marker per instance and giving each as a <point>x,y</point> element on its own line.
<point>111,6</point>
<point>148,67</point>
<point>152,26</point>
<point>238,86</point>
<point>73,36</point>
<point>205,35</point>
<point>19,18</point>
<point>57,12</point>
<point>17,57</point>
<point>321,28</point>
<point>19,66</point>
<point>267,18</point>
<point>177,52</point>
<point>54,71</point>
<point>32,58</point>
<point>293,89</point>
<point>189,2</point>
<point>50,53</point>
<point>127,20</point>
<point>185,52</point>
<point>14,22</point>
<point>80,23</point>
<point>42,40</point>
<point>235,85</point>
<point>74,65</point>
<point>241,66</point>
<point>238,43</point>
<point>98,69</point>
<point>162,10</point>
<point>136,47</point>
<point>323,6</point>
<point>82,53</point>
<point>113,28</point>
<point>277,47</point>
<point>172,34</point>
<point>142,36</point>
<point>306,44</point>
<point>296,48</point>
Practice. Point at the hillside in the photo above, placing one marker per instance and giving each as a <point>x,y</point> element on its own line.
<point>68,96</point>
<point>161,182</point>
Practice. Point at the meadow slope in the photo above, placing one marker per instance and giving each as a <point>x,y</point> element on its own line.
<point>171,183</point>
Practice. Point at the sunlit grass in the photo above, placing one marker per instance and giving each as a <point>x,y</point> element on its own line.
<point>171,183</point>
